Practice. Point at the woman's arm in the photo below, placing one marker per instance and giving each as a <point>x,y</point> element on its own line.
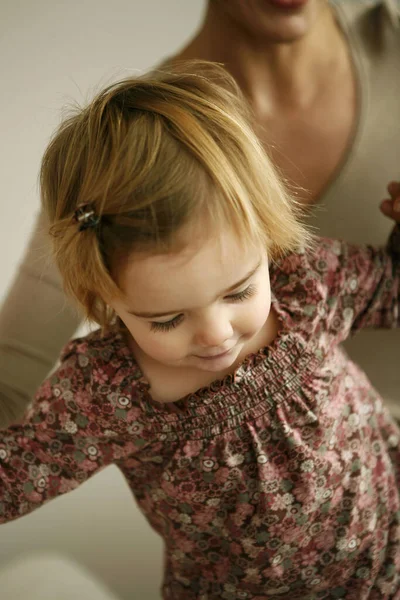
<point>35,322</point>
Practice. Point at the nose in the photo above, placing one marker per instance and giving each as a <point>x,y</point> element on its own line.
<point>213,330</point>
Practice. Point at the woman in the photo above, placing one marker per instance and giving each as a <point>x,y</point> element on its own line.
<point>324,86</point>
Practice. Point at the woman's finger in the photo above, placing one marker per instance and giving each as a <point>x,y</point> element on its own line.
<point>386,207</point>
<point>391,209</point>
<point>394,188</point>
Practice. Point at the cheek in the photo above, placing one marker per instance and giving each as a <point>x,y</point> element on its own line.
<point>262,310</point>
<point>158,345</point>
<point>257,311</point>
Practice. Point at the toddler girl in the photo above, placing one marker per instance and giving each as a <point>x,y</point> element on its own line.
<point>254,446</point>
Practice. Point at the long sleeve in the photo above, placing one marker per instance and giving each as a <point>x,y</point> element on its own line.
<point>35,322</point>
<point>369,286</point>
<point>359,285</point>
<point>340,288</point>
<point>67,435</point>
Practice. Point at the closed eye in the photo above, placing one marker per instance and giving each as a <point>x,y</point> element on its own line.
<point>250,291</point>
<point>166,325</point>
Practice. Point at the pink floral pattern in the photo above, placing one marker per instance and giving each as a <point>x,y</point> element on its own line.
<point>281,481</point>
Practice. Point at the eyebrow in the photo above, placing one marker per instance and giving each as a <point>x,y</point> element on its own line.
<point>152,315</point>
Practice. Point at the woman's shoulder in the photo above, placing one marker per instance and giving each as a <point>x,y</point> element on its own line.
<point>370,25</point>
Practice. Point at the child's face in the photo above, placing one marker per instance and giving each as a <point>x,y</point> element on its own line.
<point>199,307</point>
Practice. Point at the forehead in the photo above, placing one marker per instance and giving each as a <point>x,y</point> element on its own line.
<point>189,277</point>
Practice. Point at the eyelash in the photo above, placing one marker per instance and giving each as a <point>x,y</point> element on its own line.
<point>243,295</point>
<point>169,325</point>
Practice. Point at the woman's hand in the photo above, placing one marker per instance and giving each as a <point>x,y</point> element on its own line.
<point>391,207</point>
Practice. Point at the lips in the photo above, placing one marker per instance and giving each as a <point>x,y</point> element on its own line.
<point>213,356</point>
<point>288,4</point>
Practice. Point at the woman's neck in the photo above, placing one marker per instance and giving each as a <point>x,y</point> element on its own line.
<point>272,73</point>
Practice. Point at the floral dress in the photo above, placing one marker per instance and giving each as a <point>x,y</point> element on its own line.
<point>279,482</point>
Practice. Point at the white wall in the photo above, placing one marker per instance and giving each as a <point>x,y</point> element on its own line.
<point>55,51</point>
<point>52,52</point>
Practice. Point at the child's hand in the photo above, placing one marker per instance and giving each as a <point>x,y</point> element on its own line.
<point>391,208</point>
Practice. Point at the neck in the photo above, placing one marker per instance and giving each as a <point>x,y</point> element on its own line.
<point>271,73</point>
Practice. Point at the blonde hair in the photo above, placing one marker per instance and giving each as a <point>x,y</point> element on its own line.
<point>151,155</point>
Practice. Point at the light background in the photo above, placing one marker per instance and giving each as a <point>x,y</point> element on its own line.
<point>52,53</point>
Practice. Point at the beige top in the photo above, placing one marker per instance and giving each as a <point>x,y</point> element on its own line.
<point>33,332</point>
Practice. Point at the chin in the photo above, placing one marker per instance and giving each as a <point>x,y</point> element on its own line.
<point>282,24</point>
<point>217,364</point>
<point>216,368</point>
<point>288,35</point>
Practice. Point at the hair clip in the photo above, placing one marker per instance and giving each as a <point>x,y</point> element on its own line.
<point>86,217</point>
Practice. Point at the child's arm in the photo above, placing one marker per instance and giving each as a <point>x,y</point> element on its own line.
<point>377,301</point>
<point>364,282</point>
<point>66,436</point>
<point>383,307</point>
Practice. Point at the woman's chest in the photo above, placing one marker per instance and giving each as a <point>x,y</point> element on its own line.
<point>309,145</point>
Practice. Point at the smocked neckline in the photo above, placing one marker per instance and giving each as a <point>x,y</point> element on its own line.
<point>284,350</point>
